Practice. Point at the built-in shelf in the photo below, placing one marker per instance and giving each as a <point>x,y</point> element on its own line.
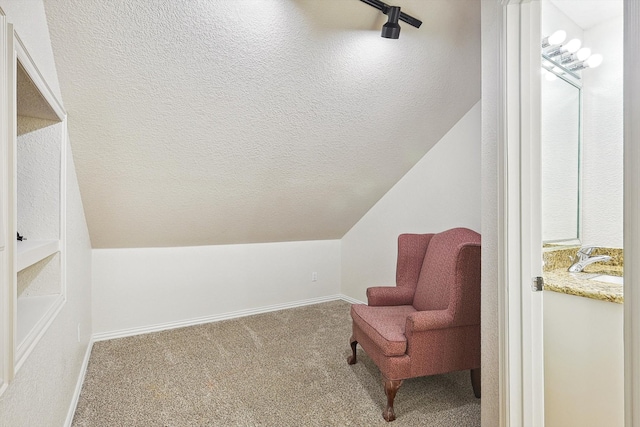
<point>32,251</point>
<point>33,314</point>
<point>34,204</point>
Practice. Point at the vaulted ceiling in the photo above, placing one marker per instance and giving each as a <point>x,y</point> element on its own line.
<point>199,122</point>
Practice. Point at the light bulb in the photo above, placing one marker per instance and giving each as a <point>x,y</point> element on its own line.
<point>555,38</point>
<point>583,53</point>
<point>594,60</point>
<point>573,45</point>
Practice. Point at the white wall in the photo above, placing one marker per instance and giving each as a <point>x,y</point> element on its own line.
<point>441,191</point>
<point>142,289</point>
<point>554,19</point>
<point>584,362</point>
<point>30,22</point>
<point>603,138</point>
<point>42,390</point>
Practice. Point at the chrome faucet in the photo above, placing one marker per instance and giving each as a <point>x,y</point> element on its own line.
<point>584,258</point>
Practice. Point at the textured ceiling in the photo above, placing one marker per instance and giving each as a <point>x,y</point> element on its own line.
<point>200,122</point>
<point>30,102</point>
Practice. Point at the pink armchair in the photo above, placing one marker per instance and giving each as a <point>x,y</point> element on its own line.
<point>430,322</point>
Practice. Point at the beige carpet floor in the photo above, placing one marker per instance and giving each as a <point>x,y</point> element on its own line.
<point>285,368</point>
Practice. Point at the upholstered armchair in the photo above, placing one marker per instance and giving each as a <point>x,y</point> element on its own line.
<point>429,323</point>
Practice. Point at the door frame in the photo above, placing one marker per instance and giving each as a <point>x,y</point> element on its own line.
<point>521,388</point>
<point>6,312</point>
<point>521,352</point>
<point>631,213</point>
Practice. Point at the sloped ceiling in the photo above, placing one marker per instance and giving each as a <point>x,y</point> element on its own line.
<point>200,122</point>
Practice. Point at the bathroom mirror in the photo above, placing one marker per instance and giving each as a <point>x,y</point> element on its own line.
<point>561,140</point>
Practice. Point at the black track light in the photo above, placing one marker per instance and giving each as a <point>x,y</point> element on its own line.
<point>391,30</point>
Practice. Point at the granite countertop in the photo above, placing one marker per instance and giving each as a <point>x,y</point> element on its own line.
<point>561,280</point>
<point>557,278</point>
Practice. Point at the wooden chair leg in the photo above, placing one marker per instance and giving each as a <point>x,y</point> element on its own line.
<point>390,389</point>
<point>351,360</point>
<point>475,382</point>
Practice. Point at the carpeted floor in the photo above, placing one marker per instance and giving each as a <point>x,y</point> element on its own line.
<point>285,368</point>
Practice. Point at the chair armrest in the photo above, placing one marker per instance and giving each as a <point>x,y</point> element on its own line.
<point>389,295</point>
<point>428,320</point>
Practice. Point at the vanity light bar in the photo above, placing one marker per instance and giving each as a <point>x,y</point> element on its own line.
<point>580,55</point>
<point>572,46</point>
<point>557,69</point>
<point>571,57</point>
<point>592,62</point>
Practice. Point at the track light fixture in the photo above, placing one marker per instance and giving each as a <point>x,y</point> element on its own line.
<point>391,30</point>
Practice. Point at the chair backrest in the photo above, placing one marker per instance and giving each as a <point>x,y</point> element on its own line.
<point>411,251</point>
<point>450,274</point>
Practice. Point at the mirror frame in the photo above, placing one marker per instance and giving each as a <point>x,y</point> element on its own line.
<point>573,80</point>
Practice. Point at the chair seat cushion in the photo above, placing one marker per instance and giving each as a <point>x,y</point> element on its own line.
<point>384,326</point>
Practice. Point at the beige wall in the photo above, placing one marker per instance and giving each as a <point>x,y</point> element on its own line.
<point>441,191</point>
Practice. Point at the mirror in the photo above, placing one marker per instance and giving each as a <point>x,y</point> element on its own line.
<point>561,140</point>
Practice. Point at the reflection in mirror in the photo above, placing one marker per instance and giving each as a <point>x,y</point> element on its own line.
<point>560,134</point>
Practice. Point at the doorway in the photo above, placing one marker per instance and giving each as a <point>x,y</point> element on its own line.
<point>521,394</point>
<point>582,211</point>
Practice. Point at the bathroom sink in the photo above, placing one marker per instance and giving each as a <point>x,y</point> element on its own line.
<point>609,279</point>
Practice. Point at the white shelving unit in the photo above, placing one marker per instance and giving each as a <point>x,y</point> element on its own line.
<point>32,312</point>
<point>36,165</point>
<point>32,251</point>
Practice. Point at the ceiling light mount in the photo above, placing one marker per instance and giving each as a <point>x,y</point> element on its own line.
<point>391,30</point>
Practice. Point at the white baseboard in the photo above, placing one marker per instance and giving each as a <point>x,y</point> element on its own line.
<point>351,300</point>
<point>103,336</point>
<point>79,383</point>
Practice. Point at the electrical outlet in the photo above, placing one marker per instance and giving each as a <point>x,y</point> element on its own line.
<point>314,276</point>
